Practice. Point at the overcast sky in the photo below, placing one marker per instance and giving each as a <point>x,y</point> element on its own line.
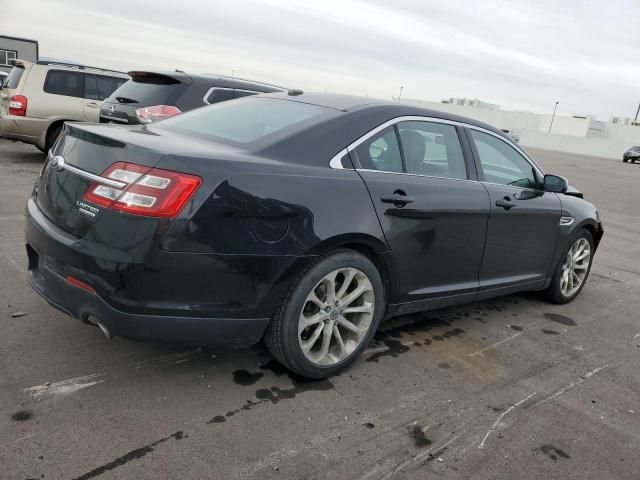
<point>519,54</point>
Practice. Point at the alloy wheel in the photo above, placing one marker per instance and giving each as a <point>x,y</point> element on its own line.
<point>336,316</point>
<point>575,267</point>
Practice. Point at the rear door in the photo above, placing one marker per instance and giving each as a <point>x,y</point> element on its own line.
<point>96,89</point>
<point>433,218</point>
<point>524,223</point>
<point>61,96</point>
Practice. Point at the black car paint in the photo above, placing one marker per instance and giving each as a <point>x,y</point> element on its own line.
<point>217,273</point>
<point>187,92</point>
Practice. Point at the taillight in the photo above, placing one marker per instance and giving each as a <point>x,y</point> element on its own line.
<point>18,105</point>
<point>151,192</point>
<point>156,113</point>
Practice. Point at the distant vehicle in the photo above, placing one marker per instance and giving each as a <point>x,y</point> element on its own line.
<point>632,154</point>
<point>302,219</point>
<point>3,77</point>
<point>152,96</point>
<point>38,97</point>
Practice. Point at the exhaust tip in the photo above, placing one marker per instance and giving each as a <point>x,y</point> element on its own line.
<point>105,331</point>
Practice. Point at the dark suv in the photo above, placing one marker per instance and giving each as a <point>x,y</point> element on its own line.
<point>152,96</point>
<point>632,154</point>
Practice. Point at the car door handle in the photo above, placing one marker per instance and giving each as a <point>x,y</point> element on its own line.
<point>399,198</point>
<point>506,203</point>
<point>92,105</point>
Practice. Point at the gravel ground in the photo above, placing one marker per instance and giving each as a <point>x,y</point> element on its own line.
<point>507,388</point>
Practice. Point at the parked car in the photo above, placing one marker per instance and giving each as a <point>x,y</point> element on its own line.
<point>152,96</point>
<point>3,77</point>
<point>632,154</point>
<point>38,97</point>
<point>303,219</point>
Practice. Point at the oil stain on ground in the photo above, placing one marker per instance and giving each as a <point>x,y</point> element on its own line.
<point>21,416</point>
<point>420,439</point>
<point>555,317</point>
<point>132,455</point>
<point>554,452</point>
<point>245,378</point>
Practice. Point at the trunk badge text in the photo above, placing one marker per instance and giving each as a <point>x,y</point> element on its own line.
<point>87,209</point>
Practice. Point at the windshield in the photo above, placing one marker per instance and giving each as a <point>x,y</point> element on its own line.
<point>244,120</point>
<point>14,77</point>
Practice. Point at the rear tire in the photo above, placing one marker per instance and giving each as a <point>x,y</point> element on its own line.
<point>570,274</point>
<point>625,160</point>
<point>52,136</point>
<point>342,292</point>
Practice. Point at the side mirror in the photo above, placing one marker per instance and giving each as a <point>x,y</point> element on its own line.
<point>555,183</point>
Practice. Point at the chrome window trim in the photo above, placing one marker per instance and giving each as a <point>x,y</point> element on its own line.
<point>333,163</point>
<point>58,162</point>
<point>336,161</point>
<point>208,92</point>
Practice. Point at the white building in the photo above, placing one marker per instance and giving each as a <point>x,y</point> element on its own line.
<point>576,134</point>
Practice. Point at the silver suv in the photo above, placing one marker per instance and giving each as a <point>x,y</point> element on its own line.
<point>38,97</point>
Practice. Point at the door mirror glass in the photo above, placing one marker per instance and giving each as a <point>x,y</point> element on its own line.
<point>555,183</point>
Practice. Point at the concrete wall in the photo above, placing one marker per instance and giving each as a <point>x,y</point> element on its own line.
<point>26,50</point>
<point>596,147</point>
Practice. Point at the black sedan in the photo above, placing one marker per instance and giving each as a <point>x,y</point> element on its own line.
<point>632,154</point>
<point>300,219</point>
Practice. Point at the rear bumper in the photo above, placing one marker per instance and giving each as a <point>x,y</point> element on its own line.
<point>197,302</point>
<point>193,331</point>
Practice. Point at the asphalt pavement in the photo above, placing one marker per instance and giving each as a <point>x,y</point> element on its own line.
<point>508,388</point>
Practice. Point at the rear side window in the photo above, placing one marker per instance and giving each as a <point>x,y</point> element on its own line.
<point>60,82</point>
<point>243,121</point>
<point>150,90</point>
<point>216,95</point>
<point>99,87</point>
<point>14,77</point>
<point>380,152</point>
<point>432,149</point>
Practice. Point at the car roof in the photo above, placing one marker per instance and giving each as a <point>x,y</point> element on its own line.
<point>189,78</point>
<point>347,103</point>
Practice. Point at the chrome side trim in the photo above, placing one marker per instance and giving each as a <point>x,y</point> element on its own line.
<point>336,161</point>
<point>564,221</point>
<point>58,162</point>
<point>416,118</point>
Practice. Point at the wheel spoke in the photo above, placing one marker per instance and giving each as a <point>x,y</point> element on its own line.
<point>348,278</point>
<point>326,340</point>
<point>338,337</point>
<point>330,283</point>
<point>583,255</point>
<point>582,266</point>
<point>366,307</point>
<point>313,298</point>
<point>313,319</point>
<point>349,299</point>
<point>348,325</point>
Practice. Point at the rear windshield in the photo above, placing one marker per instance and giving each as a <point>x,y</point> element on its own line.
<point>244,120</point>
<point>146,91</point>
<point>14,77</point>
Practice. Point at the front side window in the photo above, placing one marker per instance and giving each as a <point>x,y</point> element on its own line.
<point>432,149</point>
<point>60,82</point>
<point>501,163</point>
<point>245,120</point>
<point>380,152</point>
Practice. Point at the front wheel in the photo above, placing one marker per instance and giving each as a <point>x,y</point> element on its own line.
<point>625,160</point>
<point>329,316</point>
<point>573,269</point>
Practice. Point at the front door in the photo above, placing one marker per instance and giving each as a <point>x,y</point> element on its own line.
<point>433,219</point>
<point>524,223</point>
